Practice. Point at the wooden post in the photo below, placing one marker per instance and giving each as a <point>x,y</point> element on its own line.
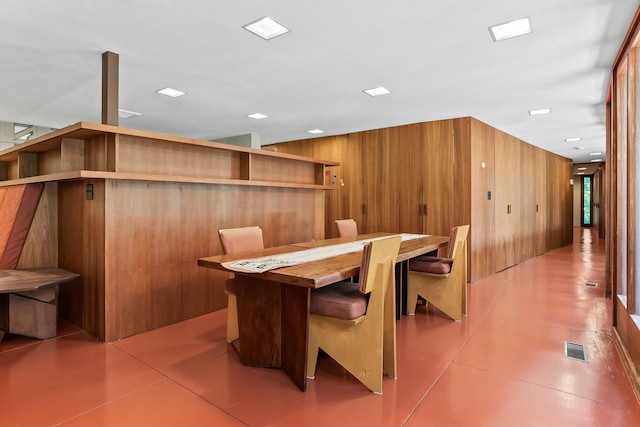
<point>110,88</point>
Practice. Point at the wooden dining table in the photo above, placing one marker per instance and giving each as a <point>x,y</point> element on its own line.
<point>274,306</point>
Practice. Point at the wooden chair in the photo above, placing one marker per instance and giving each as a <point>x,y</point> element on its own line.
<point>441,281</point>
<point>237,240</point>
<point>355,323</point>
<point>347,227</point>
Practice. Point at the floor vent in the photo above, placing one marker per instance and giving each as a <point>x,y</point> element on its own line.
<point>594,284</point>
<point>575,351</point>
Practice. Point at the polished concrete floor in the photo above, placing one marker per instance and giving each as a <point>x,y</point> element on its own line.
<point>504,364</point>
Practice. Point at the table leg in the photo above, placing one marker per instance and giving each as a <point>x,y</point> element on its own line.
<point>273,326</point>
<point>259,321</point>
<point>295,333</point>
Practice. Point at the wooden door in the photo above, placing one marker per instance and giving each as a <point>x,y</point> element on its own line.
<point>407,170</point>
<point>438,177</point>
<point>379,198</point>
<point>527,201</point>
<point>507,158</point>
<point>483,202</point>
<point>541,197</point>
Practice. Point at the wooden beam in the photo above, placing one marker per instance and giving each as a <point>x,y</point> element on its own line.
<point>110,66</point>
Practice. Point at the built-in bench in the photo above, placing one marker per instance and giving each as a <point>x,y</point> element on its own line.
<point>28,297</point>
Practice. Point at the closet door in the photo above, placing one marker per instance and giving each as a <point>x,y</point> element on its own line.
<point>380,200</point>
<point>351,185</point>
<point>541,197</point>
<point>507,231</point>
<point>407,169</point>
<point>527,201</point>
<point>438,177</point>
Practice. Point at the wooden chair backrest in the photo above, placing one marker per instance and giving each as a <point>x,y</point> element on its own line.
<point>376,255</point>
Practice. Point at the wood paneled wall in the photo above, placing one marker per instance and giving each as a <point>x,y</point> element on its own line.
<point>428,177</point>
<point>143,239</point>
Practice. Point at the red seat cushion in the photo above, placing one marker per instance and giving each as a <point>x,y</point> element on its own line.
<point>342,300</point>
<point>431,264</point>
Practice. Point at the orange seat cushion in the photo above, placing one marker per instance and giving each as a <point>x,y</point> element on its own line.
<point>342,300</point>
<point>431,264</point>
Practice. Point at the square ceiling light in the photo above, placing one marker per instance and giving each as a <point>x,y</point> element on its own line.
<point>508,30</point>
<point>315,131</point>
<point>377,91</point>
<point>572,139</point>
<point>257,116</point>
<point>267,28</point>
<point>173,93</point>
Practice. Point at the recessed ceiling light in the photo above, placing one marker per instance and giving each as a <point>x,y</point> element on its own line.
<point>377,91</point>
<point>315,131</point>
<point>174,93</point>
<point>595,154</point>
<point>580,173</point>
<point>596,160</point>
<point>507,30</point>
<point>126,114</point>
<point>582,169</point>
<point>257,116</point>
<point>267,28</point>
<point>572,139</point>
<point>539,112</point>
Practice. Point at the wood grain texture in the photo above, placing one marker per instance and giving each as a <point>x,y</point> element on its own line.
<point>41,246</point>
<point>540,173</point>
<point>482,217</point>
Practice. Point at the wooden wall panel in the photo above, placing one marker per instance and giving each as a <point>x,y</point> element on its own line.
<point>527,200</point>
<point>507,205</point>
<point>439,171</point>
<point>540,172</point>
<point>559,216</point>
<point>393,176</point>
<point>407,178</point>
<point>81,231</point>
<point>153,156</point>
<point>482,260</point>
<point>157,281</point>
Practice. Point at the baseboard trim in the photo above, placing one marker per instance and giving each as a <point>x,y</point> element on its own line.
<point>630,367</point>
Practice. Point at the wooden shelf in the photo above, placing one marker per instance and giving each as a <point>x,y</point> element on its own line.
<point>88,150</point>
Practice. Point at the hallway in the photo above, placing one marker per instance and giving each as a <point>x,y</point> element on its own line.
<point>503,365</point>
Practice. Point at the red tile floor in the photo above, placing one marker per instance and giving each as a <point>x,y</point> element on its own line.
<point>503,364</point>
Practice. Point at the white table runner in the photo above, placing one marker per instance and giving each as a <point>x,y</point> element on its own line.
<point>260,265</point>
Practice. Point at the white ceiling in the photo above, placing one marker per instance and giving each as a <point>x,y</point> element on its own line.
<point>436,57</point>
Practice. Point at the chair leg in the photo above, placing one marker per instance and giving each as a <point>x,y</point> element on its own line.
<point>232,318</point>
<point>312,352</point>
<point>412,298</point>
